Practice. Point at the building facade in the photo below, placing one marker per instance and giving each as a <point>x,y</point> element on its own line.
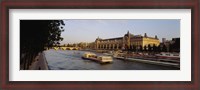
<point>128,41</point>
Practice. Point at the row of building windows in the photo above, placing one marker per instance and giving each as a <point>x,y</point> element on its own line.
<point>109,46</point>
<point>108,41</point>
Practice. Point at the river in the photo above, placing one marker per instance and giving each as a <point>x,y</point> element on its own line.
<point>71,60</point>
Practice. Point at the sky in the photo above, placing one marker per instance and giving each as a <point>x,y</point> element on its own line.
<point>87,30</point>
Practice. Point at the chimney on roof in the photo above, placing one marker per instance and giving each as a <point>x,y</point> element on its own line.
<point>156,37</point>
<point>145,34</point>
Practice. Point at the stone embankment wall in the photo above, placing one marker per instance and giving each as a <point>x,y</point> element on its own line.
<point>40,63</point>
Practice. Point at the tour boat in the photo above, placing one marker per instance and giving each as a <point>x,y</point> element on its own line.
<point>94,57</point>
<point>168,55</point>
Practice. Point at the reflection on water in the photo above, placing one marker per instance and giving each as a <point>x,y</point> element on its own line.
<point>71,60</point>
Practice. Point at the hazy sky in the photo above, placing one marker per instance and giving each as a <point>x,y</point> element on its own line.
<point>87,30</point>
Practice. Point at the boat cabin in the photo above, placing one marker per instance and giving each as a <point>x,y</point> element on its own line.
<point>105,58</point>
<point>87,55</point>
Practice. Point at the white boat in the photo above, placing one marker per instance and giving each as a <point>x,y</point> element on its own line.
<point>164,55</point>
<point>94,57</point>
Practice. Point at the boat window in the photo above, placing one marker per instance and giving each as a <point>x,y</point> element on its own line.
<point>91,55</point>
<point>176,55</point>
<point>167,54</point>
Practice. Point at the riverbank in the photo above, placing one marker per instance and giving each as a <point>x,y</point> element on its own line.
<point>39,63</point>
<point>176,65</point>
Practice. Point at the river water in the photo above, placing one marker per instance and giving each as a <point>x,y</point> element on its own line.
<point>71,60</point>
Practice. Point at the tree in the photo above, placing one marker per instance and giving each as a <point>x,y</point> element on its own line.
<point>134,48</point>
<point>145,48</point>
<point>149,47</point>
<point>171,47</point>
<point>141,49</point>
<point>154,48</point>
<point>158,48</point>
<point>175,47</point>
<point>164,49</point>
<point>35,35</point>
<point>68,45</point>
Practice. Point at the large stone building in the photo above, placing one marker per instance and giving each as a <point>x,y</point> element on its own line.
<point>128,41</point>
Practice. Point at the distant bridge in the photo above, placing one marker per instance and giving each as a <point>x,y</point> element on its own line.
<point>65,48</point>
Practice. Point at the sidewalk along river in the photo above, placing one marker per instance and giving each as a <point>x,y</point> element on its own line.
<point>71,60</point>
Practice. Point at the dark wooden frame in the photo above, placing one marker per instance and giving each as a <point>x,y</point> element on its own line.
<point>99,4</point>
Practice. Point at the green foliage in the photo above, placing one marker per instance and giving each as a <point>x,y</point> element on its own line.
<point>164,49</point>
<point>149,47</point>
<point>155,49</point>
<point>141,49</point>
<point>35,35</point>
<point>175,47</point>
<point>145,48</point>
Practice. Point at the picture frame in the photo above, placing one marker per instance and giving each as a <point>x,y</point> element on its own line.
<point>103,4</point>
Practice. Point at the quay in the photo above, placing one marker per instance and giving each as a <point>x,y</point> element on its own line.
<point>40,63</point>
<point>155,62</point>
